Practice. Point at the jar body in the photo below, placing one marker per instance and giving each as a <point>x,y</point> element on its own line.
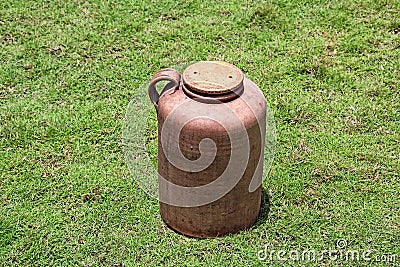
<point>225,212</point>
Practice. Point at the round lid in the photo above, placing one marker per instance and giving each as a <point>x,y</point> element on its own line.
<point>212,77</point>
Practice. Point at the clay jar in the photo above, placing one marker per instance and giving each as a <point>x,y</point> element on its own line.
<point>211,128</point>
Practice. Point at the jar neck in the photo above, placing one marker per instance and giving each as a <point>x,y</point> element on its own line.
<point>225,97</point>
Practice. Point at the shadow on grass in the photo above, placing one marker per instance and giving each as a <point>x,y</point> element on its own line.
<point>264,210</point>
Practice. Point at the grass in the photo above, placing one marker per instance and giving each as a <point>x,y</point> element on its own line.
<point>68,69</point>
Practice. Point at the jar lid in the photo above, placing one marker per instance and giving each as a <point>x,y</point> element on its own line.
<point>213,78</point>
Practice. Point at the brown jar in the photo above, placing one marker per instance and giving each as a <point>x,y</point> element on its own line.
<point>211,128</point>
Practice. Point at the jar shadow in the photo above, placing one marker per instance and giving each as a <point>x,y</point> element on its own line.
<point>264,209</point>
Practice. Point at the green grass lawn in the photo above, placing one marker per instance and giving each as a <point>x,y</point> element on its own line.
<point>330,73</point>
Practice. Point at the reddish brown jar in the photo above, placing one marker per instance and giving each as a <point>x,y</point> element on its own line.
<point>211,128</point>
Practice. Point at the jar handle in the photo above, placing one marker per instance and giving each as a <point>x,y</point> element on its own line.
<point>163,75</point>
